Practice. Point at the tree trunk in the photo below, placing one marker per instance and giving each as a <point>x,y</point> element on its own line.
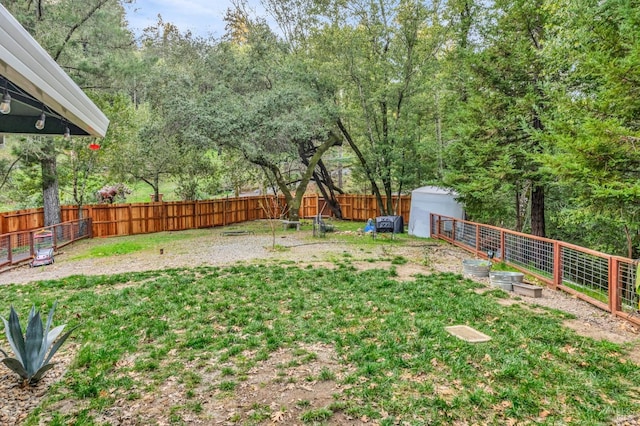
<point>156,188</point>
<point>322,178</point>
<point>327,190</point>
<point>537,211</point>
<point>365,166</point>
<point>332,140</point>
<point>50,193</point>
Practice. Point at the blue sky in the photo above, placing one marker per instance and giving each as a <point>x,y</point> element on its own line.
<point>201,17</point>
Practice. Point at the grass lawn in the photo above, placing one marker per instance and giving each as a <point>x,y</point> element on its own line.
<point>206,328</point>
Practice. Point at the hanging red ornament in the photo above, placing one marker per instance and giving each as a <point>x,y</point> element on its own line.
<point>94,146</point>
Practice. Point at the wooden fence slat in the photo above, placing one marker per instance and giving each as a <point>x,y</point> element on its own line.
<point>143,218</point>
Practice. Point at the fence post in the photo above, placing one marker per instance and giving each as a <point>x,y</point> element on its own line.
<point>196,214</point>
<point>165,215</point>
<point>130,221</point>
<point>54,231</point>
<point>453,230</point>
<point>557,265</point>
<point>432,225</point>
<point>477,239</point>
<point>10,252</point>
<point>90,216</point>
<point>503,248</point>
<point>614,281</point>
<point>32,252</point>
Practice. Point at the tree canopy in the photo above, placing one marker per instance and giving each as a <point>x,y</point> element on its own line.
<point>527,108</point>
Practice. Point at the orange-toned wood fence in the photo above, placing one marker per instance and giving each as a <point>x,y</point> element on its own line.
<point>605,281</point>
<point>142,218</point>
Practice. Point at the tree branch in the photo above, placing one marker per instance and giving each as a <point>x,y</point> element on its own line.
<point>6,175</point>
<point>76,26</point>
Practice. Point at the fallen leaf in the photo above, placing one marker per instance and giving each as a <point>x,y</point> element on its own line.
<point>606,399</point>
<point>502,406</point>
<point>277,417</point>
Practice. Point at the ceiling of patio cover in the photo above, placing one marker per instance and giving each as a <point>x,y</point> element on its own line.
<point>37,84</point>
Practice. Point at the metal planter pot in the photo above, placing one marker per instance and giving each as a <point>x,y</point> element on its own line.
<point>505,280</point>
<point>476,268</point>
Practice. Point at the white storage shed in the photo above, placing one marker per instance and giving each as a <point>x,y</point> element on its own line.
<point>431,199</point>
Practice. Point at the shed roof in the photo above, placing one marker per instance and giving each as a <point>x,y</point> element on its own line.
<point>37,84</point>
<point>434,190</point>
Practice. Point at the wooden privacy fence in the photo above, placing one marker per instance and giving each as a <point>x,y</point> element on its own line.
<point>603,280</point>
<point>142,218</point>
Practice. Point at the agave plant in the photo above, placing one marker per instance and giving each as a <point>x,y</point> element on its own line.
<point>34,350</point>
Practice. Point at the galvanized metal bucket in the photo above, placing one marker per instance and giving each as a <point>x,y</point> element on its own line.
<point>476,268</point>
<point>505,279</point>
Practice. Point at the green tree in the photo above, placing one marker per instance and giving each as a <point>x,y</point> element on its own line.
<point>267,105</point>
<point>593,54</point>
<point>168,145</point>
<point>237,173</point>
<point>379,55</point>
<point>494,163</point>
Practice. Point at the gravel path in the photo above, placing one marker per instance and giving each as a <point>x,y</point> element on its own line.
<point>213,249</point>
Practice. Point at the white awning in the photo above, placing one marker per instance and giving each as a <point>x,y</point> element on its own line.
<point>36,83</point>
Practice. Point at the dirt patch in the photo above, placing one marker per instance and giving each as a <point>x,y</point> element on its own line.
<point>285,387</point>
<point>18,400</point>
<point>291,384</point>
<point>597,333</point>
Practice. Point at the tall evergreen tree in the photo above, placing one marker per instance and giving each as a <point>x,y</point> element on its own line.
<point>594,54</point>
<point>496,157</point>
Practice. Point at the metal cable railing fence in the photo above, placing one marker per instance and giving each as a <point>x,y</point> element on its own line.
<point>18,247</point>
<point>606,281</point>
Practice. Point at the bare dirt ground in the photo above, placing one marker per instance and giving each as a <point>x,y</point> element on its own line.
<point>278,386</point>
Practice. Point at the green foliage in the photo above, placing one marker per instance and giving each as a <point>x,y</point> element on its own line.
<point>498,120</point>
<point>269,106</point>
<point>380,57</point>
<point>316,415</point>
<point>36,347</point>
<point>528,109</point>
<point>591,53</point>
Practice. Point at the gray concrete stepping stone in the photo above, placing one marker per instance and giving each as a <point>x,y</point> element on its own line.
<point>467,334</point>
